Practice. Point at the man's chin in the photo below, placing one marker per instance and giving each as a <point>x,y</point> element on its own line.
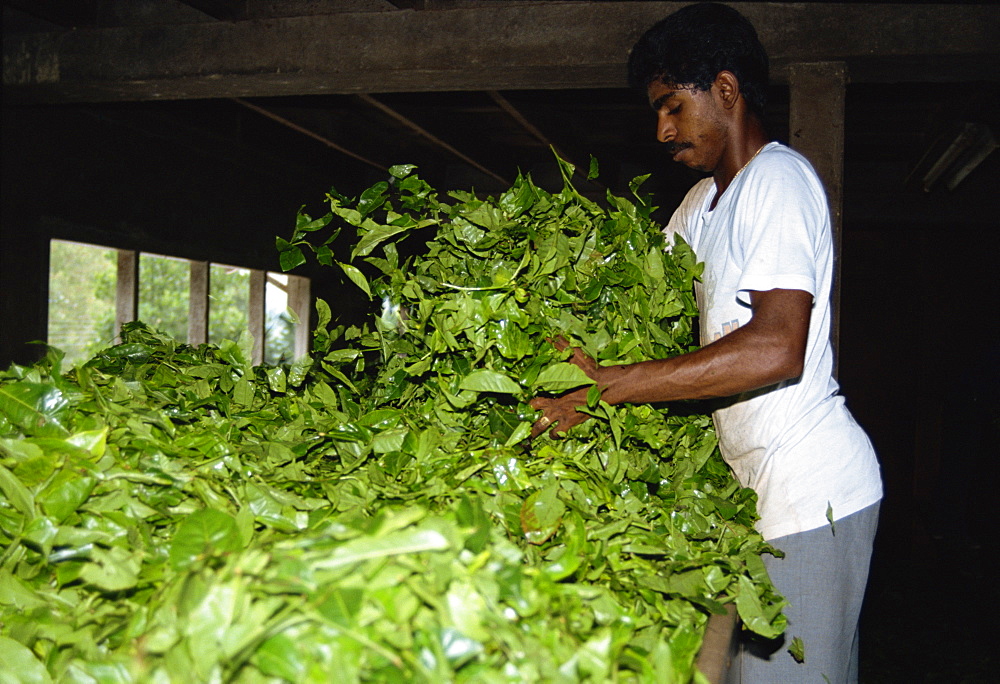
<point>686,156</point>
<point>695,166</point>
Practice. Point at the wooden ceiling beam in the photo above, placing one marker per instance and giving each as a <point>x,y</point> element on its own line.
<point>497,46</point>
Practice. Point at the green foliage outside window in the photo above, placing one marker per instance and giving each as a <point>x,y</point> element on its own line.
<point>164,293</point>
<point>82,282</point>
<point>81,298</point>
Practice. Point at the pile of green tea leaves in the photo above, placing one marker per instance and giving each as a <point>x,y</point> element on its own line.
<point>377,511</point>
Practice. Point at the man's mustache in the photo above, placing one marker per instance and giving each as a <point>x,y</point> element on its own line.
<point>675,147</point>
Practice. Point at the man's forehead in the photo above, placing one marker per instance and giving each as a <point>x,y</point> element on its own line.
<point>659,92</point>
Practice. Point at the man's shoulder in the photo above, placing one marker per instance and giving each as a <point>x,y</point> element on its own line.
<point>777,157</point>
<point>779,172</point>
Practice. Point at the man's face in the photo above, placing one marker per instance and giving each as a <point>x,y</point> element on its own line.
<point>689,122</point>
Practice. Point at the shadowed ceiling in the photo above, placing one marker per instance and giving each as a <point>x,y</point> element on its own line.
<point>478,131</point>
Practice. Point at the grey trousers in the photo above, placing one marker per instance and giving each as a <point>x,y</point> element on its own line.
<point>823,576</point>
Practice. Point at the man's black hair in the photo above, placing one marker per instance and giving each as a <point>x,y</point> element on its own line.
<point>691,46</point>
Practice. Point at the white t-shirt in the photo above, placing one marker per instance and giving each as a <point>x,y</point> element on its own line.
<point>795,442</point>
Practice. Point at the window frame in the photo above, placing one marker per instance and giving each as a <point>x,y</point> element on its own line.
<point>298,293</point>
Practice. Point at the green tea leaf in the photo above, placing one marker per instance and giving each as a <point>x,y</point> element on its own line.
<point>279,657</point>
<point>94,441</point>
<point>403,542</point>
<point>17,493</point>
<point>375,237</point>
<point>489,381</point>
<point>306,224</point>
<point>541,514</point>
<point>20,666</point>
<point>204,534</point>
<point>356,277</point>
<point>798,650</point>
<point>401,170</point>
<point>64,494</point>
<point>290,256</point>
<point>560,377</point>
<point>114,569</point>
<point>34,407</point>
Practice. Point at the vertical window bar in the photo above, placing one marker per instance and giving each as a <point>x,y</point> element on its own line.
<point>198,304</point>
<point>258,283</point>
<point>299,303</point>
<point>126,290</point>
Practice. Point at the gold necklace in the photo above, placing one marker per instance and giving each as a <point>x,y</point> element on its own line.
<point>733,179</point>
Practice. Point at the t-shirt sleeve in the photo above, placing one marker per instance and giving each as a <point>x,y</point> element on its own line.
<point>784,226</point>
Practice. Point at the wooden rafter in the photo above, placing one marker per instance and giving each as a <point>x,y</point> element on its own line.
<point>224,10</point>
<point>533,130</point>
<point>419,130</point>
<point>305,131</point>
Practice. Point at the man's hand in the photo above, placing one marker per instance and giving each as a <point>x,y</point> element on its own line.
<point>560,414</point>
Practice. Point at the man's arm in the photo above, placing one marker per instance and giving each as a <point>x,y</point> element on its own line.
<point>768,349</point>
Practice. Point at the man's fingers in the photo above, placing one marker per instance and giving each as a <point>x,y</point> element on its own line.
<point>582,361</point>
<point>559,413</point>
<point>540,426</point>
<point>557,423</point>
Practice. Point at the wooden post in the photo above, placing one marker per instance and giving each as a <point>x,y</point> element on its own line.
<point>816,129</point>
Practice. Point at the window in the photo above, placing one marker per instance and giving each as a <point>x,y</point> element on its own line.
<point>164,293</point>
<point>93,290</point>
<point>81,298</point>
<point>228,302</point>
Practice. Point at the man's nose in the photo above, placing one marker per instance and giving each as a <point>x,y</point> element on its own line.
<point>665,130</point>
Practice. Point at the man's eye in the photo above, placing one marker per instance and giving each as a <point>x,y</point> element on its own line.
<point>674,110</point>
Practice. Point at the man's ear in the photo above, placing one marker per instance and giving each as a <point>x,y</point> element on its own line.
<point>728,88</point>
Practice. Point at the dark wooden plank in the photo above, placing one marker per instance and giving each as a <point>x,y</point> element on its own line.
<point>495,46</point>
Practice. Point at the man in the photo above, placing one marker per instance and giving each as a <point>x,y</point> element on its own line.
<point>761,225</point>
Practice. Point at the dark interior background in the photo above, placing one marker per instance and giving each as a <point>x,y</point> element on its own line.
<point>217,179</point>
